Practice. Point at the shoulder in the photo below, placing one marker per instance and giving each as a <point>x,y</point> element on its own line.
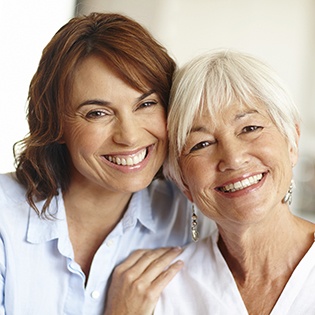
<point>197,280</point>
<point>13,205</point>
<point>163,187</point>
<point>201,250</point>
<point>166,198</point>
<point>166,193</point>
<point>171,205</point>
<point>204,253</point>
<point>10,189</point>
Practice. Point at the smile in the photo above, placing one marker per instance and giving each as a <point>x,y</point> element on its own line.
<point>247,182</point>
<point>127,160</point>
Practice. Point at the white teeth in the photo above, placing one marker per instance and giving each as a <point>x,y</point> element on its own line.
<point>136,159</point>
<point>242,184</point>
<point>130,161</point>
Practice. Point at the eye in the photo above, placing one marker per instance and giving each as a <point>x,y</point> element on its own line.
<point>248,129</point>
<point>200,145</point>
<point>147,104</point>
<point>93,114</point>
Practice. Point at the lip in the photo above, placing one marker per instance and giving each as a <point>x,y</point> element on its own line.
<point>245,190</point>
<point>130,154</point>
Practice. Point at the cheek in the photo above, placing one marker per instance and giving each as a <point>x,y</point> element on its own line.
<point>288,157</point>
<point>157,125</point>
<point>72,130</point>
<point>195,174</point>
<point>160,130</point>
<point>79,138</point>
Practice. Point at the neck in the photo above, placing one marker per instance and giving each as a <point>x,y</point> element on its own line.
<point>94,204</point>
<point>269,249</point>
<point>92,213</point>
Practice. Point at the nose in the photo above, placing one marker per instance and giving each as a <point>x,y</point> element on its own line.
<point>232,155</point>
<point>126,131</point>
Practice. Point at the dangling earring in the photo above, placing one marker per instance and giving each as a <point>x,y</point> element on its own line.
<point>288,196</point>
<point>194,225</point>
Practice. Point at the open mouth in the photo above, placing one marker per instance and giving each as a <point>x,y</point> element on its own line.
<point>247,182</point>
<point>128,160</point>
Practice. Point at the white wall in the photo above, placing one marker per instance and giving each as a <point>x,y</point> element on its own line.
<point>25,28</point>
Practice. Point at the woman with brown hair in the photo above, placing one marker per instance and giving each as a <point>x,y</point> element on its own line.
<point>82,197</point>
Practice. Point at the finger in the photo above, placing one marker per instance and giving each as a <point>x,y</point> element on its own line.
<point>150,266</point>
<point>136,255</point>
<point>138,262</point>
<point>156,266</point>
<point>167,275</point>
<point>154,290</point>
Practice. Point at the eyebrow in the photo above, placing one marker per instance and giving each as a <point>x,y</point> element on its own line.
<point>198,129</point>
<point>237,117</point>
<point>242,115</point>
<point>101,102</point>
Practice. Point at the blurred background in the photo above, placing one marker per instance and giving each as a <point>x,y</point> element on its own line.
<point>280,32</point>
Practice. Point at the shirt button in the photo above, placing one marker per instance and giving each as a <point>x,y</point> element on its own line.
<point>95,295</point>
<point>110,243</point>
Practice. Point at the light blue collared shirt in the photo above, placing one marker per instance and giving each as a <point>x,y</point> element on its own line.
<point>38,273</point>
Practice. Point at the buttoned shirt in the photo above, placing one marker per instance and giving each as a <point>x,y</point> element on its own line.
<point>38,272</point>
<point>206,285</point>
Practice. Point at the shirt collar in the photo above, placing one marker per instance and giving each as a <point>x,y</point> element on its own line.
<point>139,210</point>
<point>44,230</point>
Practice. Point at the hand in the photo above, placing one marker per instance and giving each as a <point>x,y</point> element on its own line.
<point>138,282</point>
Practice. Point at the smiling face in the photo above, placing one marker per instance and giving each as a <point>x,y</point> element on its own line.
<point>116,135</point>
<point>238,169</point>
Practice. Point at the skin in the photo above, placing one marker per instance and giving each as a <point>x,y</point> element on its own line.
<point>138,282</point>
<point>232,152</point>
<point>260,239</point>
<point>108,120</point>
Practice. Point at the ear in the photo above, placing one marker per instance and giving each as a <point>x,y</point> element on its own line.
<point>294,151</point>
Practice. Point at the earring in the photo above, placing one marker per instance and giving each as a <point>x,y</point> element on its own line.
<point>288,196</point>
<point>194,225</point>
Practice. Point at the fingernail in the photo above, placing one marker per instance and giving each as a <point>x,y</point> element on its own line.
<point>177,249</point>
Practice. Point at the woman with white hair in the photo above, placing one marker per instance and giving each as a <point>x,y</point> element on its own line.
<point>234,132</point>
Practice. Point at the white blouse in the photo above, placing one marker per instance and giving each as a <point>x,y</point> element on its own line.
<point>206,286</point>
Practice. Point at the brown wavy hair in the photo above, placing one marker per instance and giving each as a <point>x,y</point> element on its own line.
<point>42,162</point>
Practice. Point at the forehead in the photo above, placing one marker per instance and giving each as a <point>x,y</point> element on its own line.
<point>91,69</point>
<point>96,78</point>
<point>233,112</point>
<point>97,67</point>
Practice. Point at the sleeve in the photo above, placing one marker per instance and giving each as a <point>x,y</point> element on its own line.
<point>2,276</point>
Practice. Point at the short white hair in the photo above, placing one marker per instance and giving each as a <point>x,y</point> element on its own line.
<point>217,80</point>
